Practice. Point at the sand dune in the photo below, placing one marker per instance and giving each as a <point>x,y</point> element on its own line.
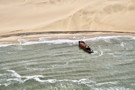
<point>52,15</point>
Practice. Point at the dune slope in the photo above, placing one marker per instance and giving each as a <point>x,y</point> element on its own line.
<point>59,15</point>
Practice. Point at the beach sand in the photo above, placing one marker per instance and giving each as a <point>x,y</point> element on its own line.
<point>37,18</point>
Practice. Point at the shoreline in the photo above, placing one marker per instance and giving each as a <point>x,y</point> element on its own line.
<point>34,36</point>
<point>61,32</point>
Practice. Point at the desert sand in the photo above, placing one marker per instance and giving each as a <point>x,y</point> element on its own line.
<point>19,17</point>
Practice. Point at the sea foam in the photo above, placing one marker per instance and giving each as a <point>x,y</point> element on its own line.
<point>60,40</point>
<point>22,79</point>
<point>72,40</point>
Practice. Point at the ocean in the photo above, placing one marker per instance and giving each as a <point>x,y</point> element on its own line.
<point>59,64</point>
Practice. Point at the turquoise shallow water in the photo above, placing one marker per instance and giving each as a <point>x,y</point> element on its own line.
<point>60,64</point>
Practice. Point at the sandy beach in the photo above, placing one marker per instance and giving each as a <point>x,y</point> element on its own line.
<point>36,18</point>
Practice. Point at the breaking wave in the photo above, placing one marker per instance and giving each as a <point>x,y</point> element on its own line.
<point>61,40</point>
